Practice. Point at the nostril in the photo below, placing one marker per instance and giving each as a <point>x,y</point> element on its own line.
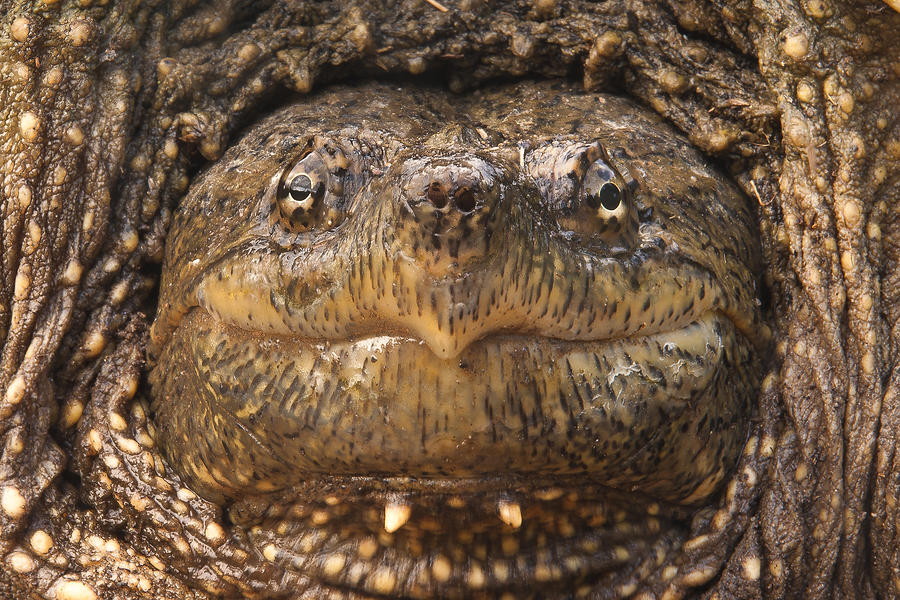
<point>464,200</point>
<point>436,195</point>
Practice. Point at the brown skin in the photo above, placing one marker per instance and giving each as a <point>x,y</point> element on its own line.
<point>797,100</point>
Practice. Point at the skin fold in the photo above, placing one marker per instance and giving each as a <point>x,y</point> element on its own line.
<point>112,111</point>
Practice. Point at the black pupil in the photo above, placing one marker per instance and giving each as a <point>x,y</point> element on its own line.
<point>610,196</point>
<point>300,187</point>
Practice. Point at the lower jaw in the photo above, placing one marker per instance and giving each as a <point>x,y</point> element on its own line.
<point>460,541</point>
<point>233,423</point>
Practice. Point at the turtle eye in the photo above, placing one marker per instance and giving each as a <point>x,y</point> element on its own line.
<point>302,190</point>
<point>604,192</point>
<point>306,192</point>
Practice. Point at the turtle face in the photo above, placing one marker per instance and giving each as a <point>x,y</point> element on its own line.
<point>383,298</point>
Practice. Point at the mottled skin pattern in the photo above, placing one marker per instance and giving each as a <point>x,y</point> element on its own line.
<point>108,110</point>
<point>451,322</point>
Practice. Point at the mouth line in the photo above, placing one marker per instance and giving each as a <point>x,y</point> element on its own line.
<point>385,335</point>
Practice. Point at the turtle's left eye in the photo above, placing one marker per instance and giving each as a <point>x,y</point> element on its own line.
<point>604,192</point>
<point>310,195</point>
<point>302,190</point>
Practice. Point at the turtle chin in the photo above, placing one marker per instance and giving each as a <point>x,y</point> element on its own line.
<point>241,414</point>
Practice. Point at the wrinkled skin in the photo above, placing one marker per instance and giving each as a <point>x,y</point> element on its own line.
<point>108,111</point>
<point>448,318</point>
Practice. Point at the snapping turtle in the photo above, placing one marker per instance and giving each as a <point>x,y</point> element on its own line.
<point>110,109</point>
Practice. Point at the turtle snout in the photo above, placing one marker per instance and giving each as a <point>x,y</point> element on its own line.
<point>452,210</point>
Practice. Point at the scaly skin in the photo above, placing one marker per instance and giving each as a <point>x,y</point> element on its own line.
<point>452,322</point>
<point>108,109</point>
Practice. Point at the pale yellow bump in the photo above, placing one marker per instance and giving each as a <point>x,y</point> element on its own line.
<point>157,563</point>
<point>144,584</point>
<point>16,444</point>
<point>851,212</point>
<point>79,32</point>
<point>73,272</point>
<point>653,509</point>
<point>383,581</point>
<point>111,546</point>
<point>20,562</point>
<point>767,448</point>
<point>319,517</point>
<point>214,533</point>
<point>796,45</point>
<point>669,572</point>
<point>542,572</point>
<point>170,149</point>
<point>111,266</point>
<point>549,494</point>
<point>12,502</point>
<point>59,175</point>
<point>751,566</point>
<point>847,260</point>
<point>24,196</point>
<point>846,102</point>
<point>128,445</point>
<point>510,513</point>
<point>23,72</point>
<point>94,343</point>
<point>145,440</point>
<point>695,542</point>
<point>185,495</point>
<point>23,283</point>
<point>15,392</point>
<point>475,578</point>
<point>881,123</point>
<point>74,135</point>
<point>721,519</point>
<point>140,163</point>
<point>119,292</point>
<point>866,302</point>
<point>776,568</point>
<point>893,148</point>
<point>750,446</point>
<point>801,472</point>
<point>699,576</point>
<point>879,174</point>
<point>500,570</point>
<point>621,553</point>
<point>111,461</point>
<point>129,240</point>
<point>20,28</point>
<point>672,81</point>
<point>75,590</point>
<point>181,545</point>
<point>72,412</point>
<point>117,422</point>
<point>248,52</point>
<point>873,230</point>
<point>831,86</point>
<point>367,548</point>
<point>627,589</point>
<point>750,476</point>
<point>441,568</point>
<point>333,565</point>
<point>140,503</point>
<point>34,233</point>
<point>868,363</point>
<point>396,515</point>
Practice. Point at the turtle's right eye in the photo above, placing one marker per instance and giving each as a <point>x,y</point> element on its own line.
<point>302,190</point>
